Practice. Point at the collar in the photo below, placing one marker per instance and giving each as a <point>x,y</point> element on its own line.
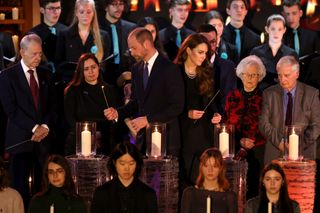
<point>293,91</point>
<point>152,60</point>
<point>25,67</point>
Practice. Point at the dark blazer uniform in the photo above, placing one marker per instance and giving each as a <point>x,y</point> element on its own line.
<point>162,101</point>
<point>17,101</point>
<point>228,51</point>
<point>249,39</point>
<point>168,38</point>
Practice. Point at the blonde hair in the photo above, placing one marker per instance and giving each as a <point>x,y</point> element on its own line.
<point>94,26</point>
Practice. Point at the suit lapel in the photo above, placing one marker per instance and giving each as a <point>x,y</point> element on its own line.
<point>152,76</point>
<point>24,84</point>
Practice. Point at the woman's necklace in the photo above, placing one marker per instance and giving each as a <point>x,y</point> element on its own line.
<point>191,75</point>
<point>212,188</point>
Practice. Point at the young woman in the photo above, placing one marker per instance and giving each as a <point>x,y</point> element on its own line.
<point>125,192</point>
<point>196,124</point>
<point>58,189</point>
<point>210,182</point>
<point>274,189</point>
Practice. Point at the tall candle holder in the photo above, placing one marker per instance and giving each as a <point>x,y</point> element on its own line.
<point>293,143</point>
<point>156,140</point>
<point>85,139</point>
<point>224,139</point>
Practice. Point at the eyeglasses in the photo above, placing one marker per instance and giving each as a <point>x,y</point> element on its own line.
<point>56,172</point>
<point>54,9</point>
<point>117,4</point>
<point>247,75</point>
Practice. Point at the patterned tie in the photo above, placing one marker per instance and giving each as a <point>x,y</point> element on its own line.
<point>115,43</point>
<point>296,41</point>
<point>178,38</point>
<point>238,41</point>
<point>34,88</point>
<point>145,75</point>
<point>288,120</point>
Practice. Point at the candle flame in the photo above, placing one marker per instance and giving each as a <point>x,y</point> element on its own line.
<point>278,2</point>
<point>134,5</point>
<point>262,37</point>
<point>199,4</point>
<point>30,179</point>
<point>228,20</point>
<point>311,7</point>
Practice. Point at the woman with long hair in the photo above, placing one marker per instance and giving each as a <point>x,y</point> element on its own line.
<point>211,182</point>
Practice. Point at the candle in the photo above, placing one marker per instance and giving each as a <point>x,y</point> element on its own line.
<point>224,142</point>
<point>269,207</point>
<point>52,208</point>
<point>208,204</point>
<point>262,38</point>
<point>30,185</point>
<point>156,144</point>
<point>212,4</point>
<point>15,13</point>
<point>2,16</point>
<point>293,146</point>
<point>86,142</point>
<point>15,41</point>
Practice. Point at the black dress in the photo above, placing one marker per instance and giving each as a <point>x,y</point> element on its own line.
<point>86,103</point>
<point>196,136</point>
<point>195,200</point>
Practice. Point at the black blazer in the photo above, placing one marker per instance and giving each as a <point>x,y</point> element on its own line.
<point>16,98</point>
<point>228,51</point>
<point>162,101</point>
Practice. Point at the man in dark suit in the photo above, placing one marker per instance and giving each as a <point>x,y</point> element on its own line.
<point>288,96</point>
<point>225,77</point>
<point>157,90</point>
<point>236,32</point>
<point>118,30</point>
<point>27,96</point>
<point>173,35</point>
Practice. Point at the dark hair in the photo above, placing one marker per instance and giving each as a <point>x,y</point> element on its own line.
<point>205,79</point>
<point>4,176</point>
<point>78,76</point>
<point>148,20</point>
<point>216,154</point>
<point>229,2</point>
<point>44,3</point>
<point>284,199</point>
<point>120,150</point>
<point>69,186</point>
<point>174,3</point>
<point>206,28</point>
<point>108,2</point>
<point>212,14</point>
<point>290,3</point>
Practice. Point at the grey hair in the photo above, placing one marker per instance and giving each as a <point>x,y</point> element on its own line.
<point>289,60</point>
<point>27,39</point>
<point>251,60</point>
<point>275,17</point>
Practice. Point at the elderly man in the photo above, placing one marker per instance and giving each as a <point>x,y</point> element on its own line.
<point>157,90</point>
<point>27,96</point>
<point>289,103</point>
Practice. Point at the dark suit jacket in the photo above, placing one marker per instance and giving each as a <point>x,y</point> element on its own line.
<point>1,58</point>
<point>249,39</point>
<point>162,101</point>
<point>228,51</point>
<point>306,112</point>
<point>16,98</point>
<point>7,45</point>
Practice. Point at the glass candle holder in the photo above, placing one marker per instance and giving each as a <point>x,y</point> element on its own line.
<point>85,139</point>
<point>156,140</point>
<point>293,143</point>
<point>224,139</point>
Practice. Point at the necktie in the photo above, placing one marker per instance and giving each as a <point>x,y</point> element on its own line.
<point>53,30</point>
<point>238,41</point>
<point>296,41</point>
<point>34,88</point>
<point>115,43</point>
<point>145,75</point>
<point>288,120</point>
<point>178,38</point>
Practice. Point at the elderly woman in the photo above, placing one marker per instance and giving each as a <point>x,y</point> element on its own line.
<point>243,108</point>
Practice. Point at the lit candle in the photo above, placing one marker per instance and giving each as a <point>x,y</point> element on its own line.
<point>156,144</point>
<point>293,146</point>
<point>2,16</point>
<point>278,2</point>
<point>15,13</point>
<point>52,208</point>
<point>208,204</point>
<point>15,41</point>
<point>212,4</point>
<point>269,207</point>
<point>86,142</point>
<point>224,142</point>
<point>262,38</point>
<point>228,20</point>
<point>30,184</point>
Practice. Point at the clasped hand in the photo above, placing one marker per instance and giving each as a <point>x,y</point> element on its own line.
<point>40,133</point>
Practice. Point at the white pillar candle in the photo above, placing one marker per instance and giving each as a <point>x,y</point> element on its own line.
<point>15,13</point>
<point>2,16</point>
<point>52,208</point>
<point>293,146</point>
<point>224,143</point>
<point>15,41</point>
<point>269,207</point>
<point>86,142</point>
<point>262,37</point>
<point>208,204</point>
<point>156,144</point>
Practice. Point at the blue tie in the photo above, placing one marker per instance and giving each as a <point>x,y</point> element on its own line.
<point>115,43</point>
<point>145,75</point>
<point>178,38</point>
<point>296,41</point>
<point>238,41</point>
<point>53,30</point>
